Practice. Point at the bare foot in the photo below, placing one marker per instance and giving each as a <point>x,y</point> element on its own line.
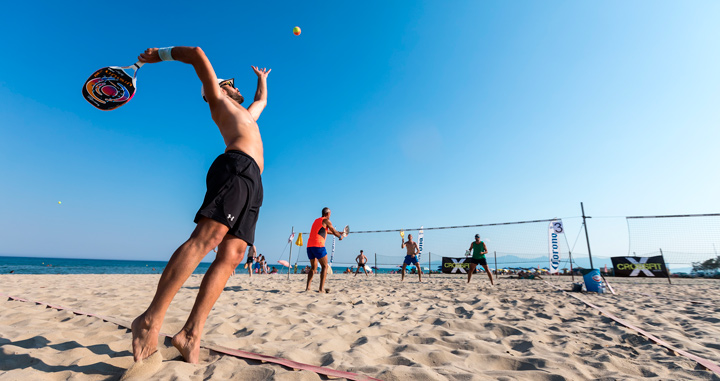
<point>189,347</point>
<point>145,338</point>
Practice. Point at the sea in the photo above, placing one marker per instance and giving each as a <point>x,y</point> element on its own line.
<point>41,265</point>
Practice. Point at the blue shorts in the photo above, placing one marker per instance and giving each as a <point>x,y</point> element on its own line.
<point>409,260</point>
<point>316,252</point>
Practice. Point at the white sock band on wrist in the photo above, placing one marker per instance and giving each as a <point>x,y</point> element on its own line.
<point>166,53</point>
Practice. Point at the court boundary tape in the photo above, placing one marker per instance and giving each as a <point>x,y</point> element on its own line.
<point>707,364</point>
<point>294,365</point>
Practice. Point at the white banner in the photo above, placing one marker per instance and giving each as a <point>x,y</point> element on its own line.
<point>332,253</point>
<point>421,238</point>
<point>555,228</point>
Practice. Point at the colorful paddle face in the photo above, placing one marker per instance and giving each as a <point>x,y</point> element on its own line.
<point>111,87</point>
<point>402,234</point>
<point>346,231</point>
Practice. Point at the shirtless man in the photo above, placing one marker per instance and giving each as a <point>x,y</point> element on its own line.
<point>228,213</point>
<point>252,253</point>
<point>411,257</point>
<point>361,260</point>
<point>316,251</point>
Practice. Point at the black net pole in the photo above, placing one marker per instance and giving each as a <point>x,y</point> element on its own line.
<point>667,269</point>
<point>587,239</point>
<point>496,269</point>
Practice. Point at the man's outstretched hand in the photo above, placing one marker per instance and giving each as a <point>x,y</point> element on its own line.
<point>261,73</point>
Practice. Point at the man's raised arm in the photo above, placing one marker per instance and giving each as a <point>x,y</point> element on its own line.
<point>258,105</point>
<point>193,56</point>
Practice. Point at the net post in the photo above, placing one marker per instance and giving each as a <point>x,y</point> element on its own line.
<point>572,272</point>
<point>292,235</point>
<point>376,268</point>
<point>667,269</point>
<point>429,264</point>
<point>587,239</point>
<point>496,269</point>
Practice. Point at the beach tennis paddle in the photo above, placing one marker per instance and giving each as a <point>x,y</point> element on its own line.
<point>346,231</point>
<point>402,234</point>
<point>111,87</point>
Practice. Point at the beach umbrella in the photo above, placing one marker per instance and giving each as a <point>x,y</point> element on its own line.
<point>284,263</point>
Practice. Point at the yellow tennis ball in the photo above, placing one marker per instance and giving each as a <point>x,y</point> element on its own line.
<point>296,30</point>
<point>59,202</point>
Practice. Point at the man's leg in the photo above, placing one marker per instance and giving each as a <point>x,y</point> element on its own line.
<point>323,272</point>
<point>487,270</point>
<point>250,268</point>
<point>417,264</point>
<point>313,266</point>
<point>358,270</point>
<point>230,254</point>
<point>471,271</point>
<point>402,272</point>
<point>146,327</point>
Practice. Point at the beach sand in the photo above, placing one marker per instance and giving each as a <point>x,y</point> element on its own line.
<point>440,329</point>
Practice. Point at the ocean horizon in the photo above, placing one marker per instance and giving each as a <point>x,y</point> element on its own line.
<point>54,265</point>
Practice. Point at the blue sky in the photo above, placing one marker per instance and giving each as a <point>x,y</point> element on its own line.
<point>393,114</point>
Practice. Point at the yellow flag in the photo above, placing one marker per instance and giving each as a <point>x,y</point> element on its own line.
<point>299,241</point>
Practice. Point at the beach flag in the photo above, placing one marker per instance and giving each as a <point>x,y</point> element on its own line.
<point>421,238</point>
<point>332,253</point>
<point>299,241</point>
<point>555,228</point>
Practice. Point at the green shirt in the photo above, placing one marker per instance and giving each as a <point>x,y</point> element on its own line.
<point>478,249</point>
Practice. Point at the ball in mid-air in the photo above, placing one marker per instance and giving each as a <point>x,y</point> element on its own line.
<point>59,202</point>
<point>296,30</point>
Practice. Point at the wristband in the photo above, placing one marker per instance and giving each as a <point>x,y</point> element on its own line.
<point>166,54</point>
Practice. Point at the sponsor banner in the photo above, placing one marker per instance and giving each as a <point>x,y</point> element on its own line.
<point>455,265</point>
<point>639,266</point>
<point>421,238</point>
<point>332,253</point>
<point>554,230</point>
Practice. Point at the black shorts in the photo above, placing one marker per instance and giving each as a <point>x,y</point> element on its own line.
<point>250,260</point>
<point>481,261</point>
<point>234,194</point>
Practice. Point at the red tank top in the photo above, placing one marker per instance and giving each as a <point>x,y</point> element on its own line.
<point>317,233</point>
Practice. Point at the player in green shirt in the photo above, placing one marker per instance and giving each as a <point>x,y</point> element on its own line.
<point>478,258</point>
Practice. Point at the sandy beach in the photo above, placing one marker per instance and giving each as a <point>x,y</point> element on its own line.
<point>440,329</point>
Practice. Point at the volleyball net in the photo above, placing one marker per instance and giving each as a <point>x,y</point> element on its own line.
<point>510,245</point>
<point>685,241</point>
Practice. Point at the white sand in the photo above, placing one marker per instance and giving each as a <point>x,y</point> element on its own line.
<point>441,329</point>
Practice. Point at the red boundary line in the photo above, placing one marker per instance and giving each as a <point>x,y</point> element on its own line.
<point>331,373</point>
<point>703,362</point>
